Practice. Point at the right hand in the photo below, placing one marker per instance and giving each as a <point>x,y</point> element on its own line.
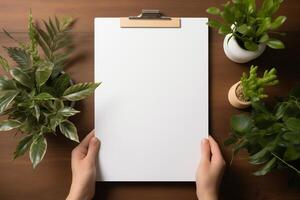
<point>210,170</point>
<point>83,163</point>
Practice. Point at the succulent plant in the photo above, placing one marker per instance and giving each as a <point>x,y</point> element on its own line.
<point>253,86</point>
<point>38,95</point>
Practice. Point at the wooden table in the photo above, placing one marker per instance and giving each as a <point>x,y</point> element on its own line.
<point>51,180</point>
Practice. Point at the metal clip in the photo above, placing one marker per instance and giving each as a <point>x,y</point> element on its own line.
<point>150,14</point>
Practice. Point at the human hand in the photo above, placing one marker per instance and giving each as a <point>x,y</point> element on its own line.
<point>210,170</point>
<point>83,163</point>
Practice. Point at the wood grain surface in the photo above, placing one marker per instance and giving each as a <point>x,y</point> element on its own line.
<point>51,180</point>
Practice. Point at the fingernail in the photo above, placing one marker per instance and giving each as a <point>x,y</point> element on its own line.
<point>203,141</point>
<point>95,140</point>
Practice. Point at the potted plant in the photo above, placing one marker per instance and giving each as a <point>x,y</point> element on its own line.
<point>251,88</point>
<point>38,96</point>
<point>271,138</point>
<point>247,29</point>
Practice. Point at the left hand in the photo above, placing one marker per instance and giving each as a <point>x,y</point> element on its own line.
<point>83,163</point>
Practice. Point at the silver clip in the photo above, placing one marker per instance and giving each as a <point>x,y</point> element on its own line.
<point>150,14</point>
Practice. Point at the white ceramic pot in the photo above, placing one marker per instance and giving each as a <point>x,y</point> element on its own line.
<point>237,54</point>
<point>234,100</point>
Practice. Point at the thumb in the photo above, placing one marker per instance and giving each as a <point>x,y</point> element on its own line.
<point>93,149</point>
<point>205,151</point>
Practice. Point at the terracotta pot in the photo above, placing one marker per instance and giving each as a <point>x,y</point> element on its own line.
<point>234,100</point>
<point>237,54</point>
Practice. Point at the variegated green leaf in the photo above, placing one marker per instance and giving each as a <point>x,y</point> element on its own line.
<point>44,97</point>
<point>20,76</point>
<point>23,146</point>
<point>69,130</point>
<point>80,91</point>
<point>68,111</point>
<point>37,150</point>
<point>6,99</point>
<point>43,72</point>
<point>10,124</point>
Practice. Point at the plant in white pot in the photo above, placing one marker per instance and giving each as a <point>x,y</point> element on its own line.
<point>248,29</point>
<point>251,88</point>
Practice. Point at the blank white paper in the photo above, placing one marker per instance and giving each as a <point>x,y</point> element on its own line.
<point>151,110</point>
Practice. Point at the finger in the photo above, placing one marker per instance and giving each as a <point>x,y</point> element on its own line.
<point>215,150</point>
<point>93,150</point>
<point>86,140</point>
<point>205,151</point>
<point>82,149</point>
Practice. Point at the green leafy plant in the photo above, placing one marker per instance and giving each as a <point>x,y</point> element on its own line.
<point>272,138</point>
<point>248,24</point>
<point>252,87</point>
<point>38,96</point>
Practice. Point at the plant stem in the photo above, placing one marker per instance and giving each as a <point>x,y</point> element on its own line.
<point>289,165</point>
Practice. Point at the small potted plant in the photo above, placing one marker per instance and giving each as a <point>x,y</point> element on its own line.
<point>271,138</point>
<point>251,88</point>
<point>38,97</point>
<point>248,29</point>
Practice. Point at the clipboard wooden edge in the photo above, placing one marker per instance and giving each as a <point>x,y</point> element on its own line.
<point>150,19</point>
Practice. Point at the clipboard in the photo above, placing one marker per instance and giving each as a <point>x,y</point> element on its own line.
<point>149,19</point>
<point>151,110</point>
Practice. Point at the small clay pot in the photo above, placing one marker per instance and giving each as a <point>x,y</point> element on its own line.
<point>234,100</point>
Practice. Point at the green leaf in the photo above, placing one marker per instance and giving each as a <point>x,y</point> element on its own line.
<point>54,121</point>
<point>264,38</point>
<point>251,46</point>
<point>241,123</point>
<point>224,30</point>
<point>260,157</point>
<point>38,149</point>
<point>58,104</point>
<point>291,153</point>
<point>213,10</point>
<point>243,29</point>
<point>230,140</point>
<point>43,44</point>
<point>10,124</point>
<point>43,72</point>
<point>292,138</point>
<point>19,56</point>
<point>23,146</point>
<point>293,124</point>
<point>264,26</point>
<point>20,76</point>
<point>79,91</point>
<point>278,22</point>
<point>251,6</point>
<point>4,64</point>
<point>6,99</point>
<point>267,168</point>
<point>37,112</point>
<point>61,84</point>
<point>275,44</point>
<point>44,97</point>
<point>227,14</point>
<point>68,111</point>
<point>214,24</point>
<point>6,84</point>
<point>69,130</point>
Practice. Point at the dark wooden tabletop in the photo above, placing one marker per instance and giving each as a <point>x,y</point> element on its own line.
<point>51,180</point>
